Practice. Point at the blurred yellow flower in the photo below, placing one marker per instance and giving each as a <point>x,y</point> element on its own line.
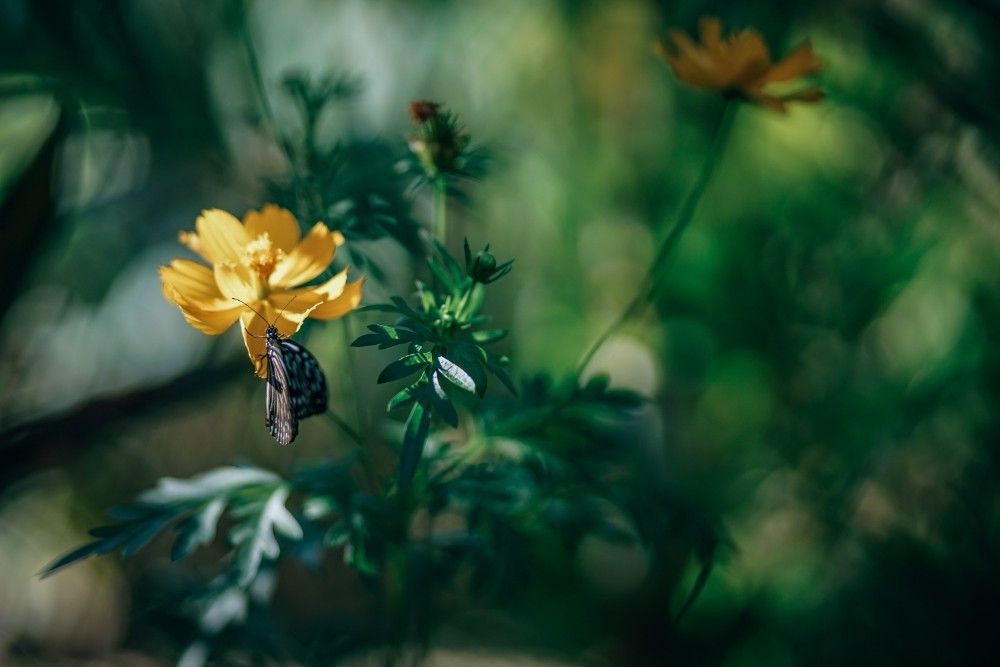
<point>739,66</point>
<point>260,262</point>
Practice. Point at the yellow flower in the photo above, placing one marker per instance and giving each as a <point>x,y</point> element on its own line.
<point>259,261</point>
<point>740,66</point>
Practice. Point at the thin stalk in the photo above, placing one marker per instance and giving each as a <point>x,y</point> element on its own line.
<point>345,427</point>
<point>360,437</point>
<point>262,96</point>
<point>441,210</point>
<point>353,384</point>
<point>649,287</point>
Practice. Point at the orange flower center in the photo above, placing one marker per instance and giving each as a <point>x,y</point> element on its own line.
<point>261,257</point>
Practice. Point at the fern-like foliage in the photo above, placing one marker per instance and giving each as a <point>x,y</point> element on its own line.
<point>255,498</point>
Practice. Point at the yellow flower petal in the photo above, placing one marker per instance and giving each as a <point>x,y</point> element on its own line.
<point>295,305</point>
<point>237,281</point>
<point>221,237</point>
<point>254,339</point>
<point>686,48</point>
<point>212,320</point>
<point>691,64</point>
<point>331,289</point>
<point>306,260</point>
<point>193,281</point>
<point>348,300</point>
<point>191,240</point>
<point>800,61</point>
<point>275,221</point>
<point>751,59</point>
<point>758,96</point>
<point>710,29</point>
<point>192,288</point>
<point>739,65</point>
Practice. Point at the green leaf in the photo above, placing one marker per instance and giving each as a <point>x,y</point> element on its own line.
<point>130,536</point>
<point>338,535</point>
<point>403,308</point>
<point>367,340</point>
<point>456,374</point>
<point>475,303</point>
<point>386,332</point>
<point>442,277</point>
<point>501,271</point>
<point>414,438</point>
<point>197,529</point>
<point>256,536</point>
<point>221,608</point>
<point>441,402</point>
<point>471,359</point>
<point>468,353</point>
<point>419,330</point>
<point>494,365</point>
<point>448,262</point>
<point>383,336</point>
<point>406,396</point>
<point>427,300</point>
<point>356,556</point>
<point>488,335</point>
<point>378,308</point>
<point>408,365</point>
<point>207,485</point>
<point>134,512</point>
<point>74,556</point>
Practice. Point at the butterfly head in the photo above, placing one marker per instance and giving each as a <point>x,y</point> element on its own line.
<point>272,333</point>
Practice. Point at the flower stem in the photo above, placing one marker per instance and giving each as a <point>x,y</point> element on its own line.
<point>353,385</point>
<point>262,96</point>
<point>345,427</point>
<point>649,285</point>
<point>441,210</point>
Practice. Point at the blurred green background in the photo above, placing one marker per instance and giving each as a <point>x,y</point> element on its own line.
<point>822,365</point>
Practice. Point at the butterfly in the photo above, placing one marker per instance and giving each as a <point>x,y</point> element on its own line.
<point>296,385</point>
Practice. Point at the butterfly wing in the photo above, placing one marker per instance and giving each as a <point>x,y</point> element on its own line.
<point>308,391</point>
<point>279,415</point>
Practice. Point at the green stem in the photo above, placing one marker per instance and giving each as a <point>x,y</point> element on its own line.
<point>649,287</point>
<point>262,96</point>
<point>353,385</point>
<point>441,210</point>
<point>345,427</point>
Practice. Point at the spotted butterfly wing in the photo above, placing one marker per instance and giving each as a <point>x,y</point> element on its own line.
<point>296,386</point>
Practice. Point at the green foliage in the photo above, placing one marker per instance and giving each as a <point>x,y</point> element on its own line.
<point>444,345</point>
<point>255,498</point>
<point>353,185</point>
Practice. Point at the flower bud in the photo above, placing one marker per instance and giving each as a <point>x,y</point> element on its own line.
<point>440,143</point>
<point>482,267</point>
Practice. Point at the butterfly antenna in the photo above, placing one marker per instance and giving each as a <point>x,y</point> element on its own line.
<point>286,306</point>
<point>257,311</point>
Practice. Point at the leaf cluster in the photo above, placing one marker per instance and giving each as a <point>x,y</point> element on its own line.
<point>444,345</point>
<point>254,498</point>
